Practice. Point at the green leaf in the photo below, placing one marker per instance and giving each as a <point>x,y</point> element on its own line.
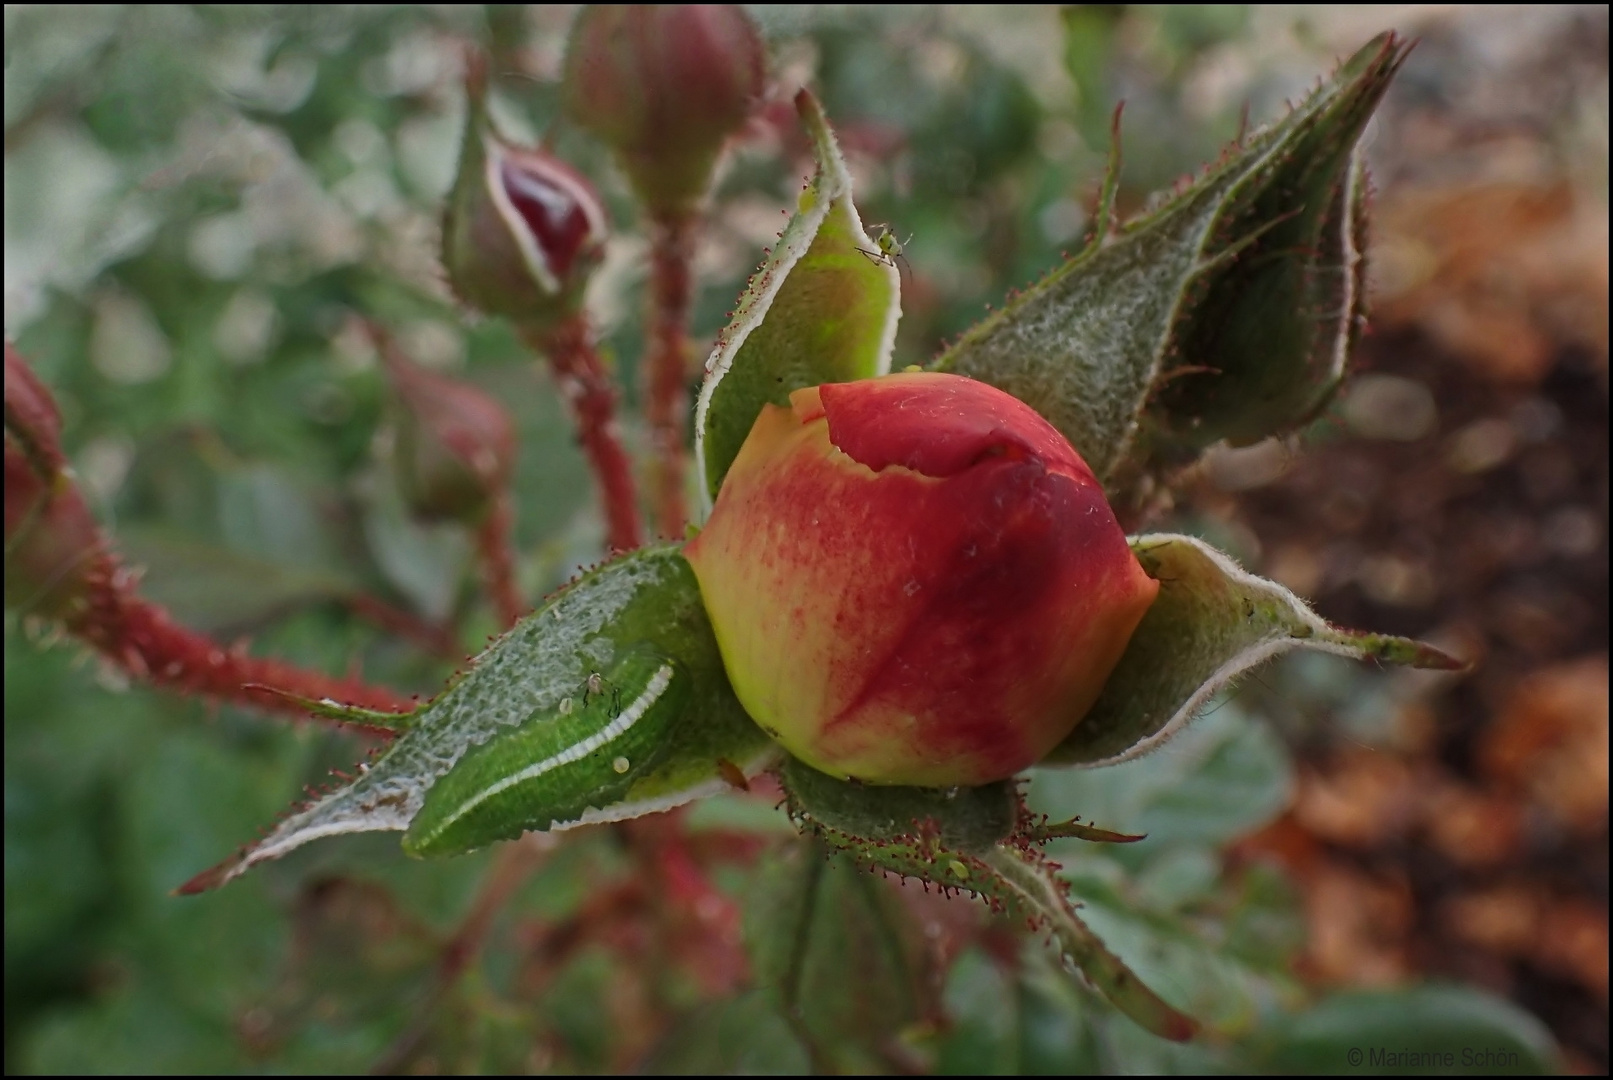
<point>424,561</point>
<point>1227,313</point>
<point>822,308</point>
<point>845,958</point>
<point>1429,1030</point>
<point>1225,777</point>
<point>982,1040</point>
<point>1181,958</point>
<point>215,589</point>
<point>743,1036</point>
<point>1211,622</point>
<point>1033,891</point>
<point>1090,31</point>
<point>648,598</point>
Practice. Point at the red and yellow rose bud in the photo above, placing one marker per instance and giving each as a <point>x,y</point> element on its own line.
<point>664,85</point>
<point>523,231</point>
<point>455,444</point>
<point>916,580</point>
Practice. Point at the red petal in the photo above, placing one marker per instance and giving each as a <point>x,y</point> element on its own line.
<point>939,425</point>
<point>550,202</point>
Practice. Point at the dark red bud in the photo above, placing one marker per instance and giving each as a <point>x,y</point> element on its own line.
<point>456,445</point>
<point>522,231</point>
<point>559,208</point>
<point>665,85</point>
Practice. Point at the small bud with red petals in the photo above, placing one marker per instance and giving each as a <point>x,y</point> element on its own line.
<point>522,231</point>
<point>664,85</point>
<point>916,580</point>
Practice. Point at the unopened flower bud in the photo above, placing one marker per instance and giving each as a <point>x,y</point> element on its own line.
<point>522,231</point>
<point>664,85</point>
<point>455,444</point>
<point>916,580</point>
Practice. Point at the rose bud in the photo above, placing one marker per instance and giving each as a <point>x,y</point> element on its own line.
<point>52,540</point>
<point>522,231</point>
<point>455,444</point>
<point>916,580</point>
<point>664,85</point>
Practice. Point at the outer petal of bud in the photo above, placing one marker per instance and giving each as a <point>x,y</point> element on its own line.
<point>665,85</point>
<point>522,231</point>
<point>916,580</point>
<point>456,445</point>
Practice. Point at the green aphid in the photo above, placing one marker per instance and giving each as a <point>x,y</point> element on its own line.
<point>890,248</point>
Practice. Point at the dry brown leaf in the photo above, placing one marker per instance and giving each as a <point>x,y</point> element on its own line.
<point>1500,273</point>
<point>1359,927</point>
<point>1551,741</point>
<point>1470,827</point>
<point>1363,799</point>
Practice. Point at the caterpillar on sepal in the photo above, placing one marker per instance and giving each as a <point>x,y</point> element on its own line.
<point>585,752</point>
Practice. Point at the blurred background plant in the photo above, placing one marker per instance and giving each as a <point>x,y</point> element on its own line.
<point>208,211</point>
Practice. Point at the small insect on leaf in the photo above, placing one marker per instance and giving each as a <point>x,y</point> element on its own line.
<point>559,763</point>
<point>889,248</point>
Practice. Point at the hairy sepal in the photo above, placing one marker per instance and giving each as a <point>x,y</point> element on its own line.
<point>1211,622</point>
<point>979,841</point>
<point>1227,313</point>
<point>823,308</point>
<point>583,755</point>
<point>646,601</point>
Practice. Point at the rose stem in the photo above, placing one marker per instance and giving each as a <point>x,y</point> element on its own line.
<point>498,560</point>
<point>666,365</point>
<point>580,374</point>
<point>143,639</point>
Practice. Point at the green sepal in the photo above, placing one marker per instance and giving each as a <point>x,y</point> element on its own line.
<point>823,308</point>
<point>978,841</point>
<point>583,755</point>
<point>1211,621</point>
<point>327,709</point>
<point>960,818</point>
<point>645,600</point>
<point>1227,313</point>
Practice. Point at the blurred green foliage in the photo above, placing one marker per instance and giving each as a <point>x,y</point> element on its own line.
<point>198,200</point>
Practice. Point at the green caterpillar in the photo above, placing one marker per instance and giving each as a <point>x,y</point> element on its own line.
<point>585,752</point>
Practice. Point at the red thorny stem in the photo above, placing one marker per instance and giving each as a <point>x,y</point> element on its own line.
<point>580,374</point>
<point>666,365</point>
<point>498,560</point>
<point>143,639</point>
<point>55,548</point>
